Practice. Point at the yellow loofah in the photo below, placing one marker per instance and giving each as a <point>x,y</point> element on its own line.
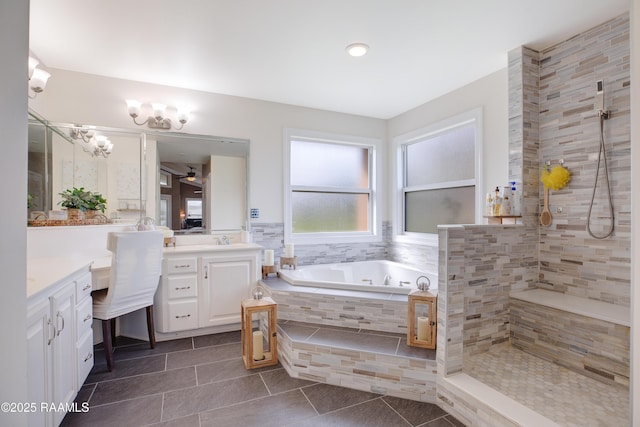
<point>555,179</point>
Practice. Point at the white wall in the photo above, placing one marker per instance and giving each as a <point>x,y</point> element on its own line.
<point>88,99</point>
<point>492,94</point>
<point>14,47</point>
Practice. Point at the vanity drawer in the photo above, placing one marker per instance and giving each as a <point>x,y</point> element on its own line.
<point>183,315</point>
<point>83,287</point>
<point>180,265</point>
<point>182,286</point>
<point>84,316</point>
<point>84,357</point>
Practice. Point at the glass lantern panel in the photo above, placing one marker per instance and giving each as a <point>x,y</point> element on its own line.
<point>260,335</point>
<point>421,322</point>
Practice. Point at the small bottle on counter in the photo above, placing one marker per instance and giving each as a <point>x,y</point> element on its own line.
<point>505,207</point>
<point>488,210</point>
<point>497,202</point>
<point>516,200</point>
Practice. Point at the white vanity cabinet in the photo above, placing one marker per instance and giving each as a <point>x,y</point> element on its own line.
<point>55,372</point>
<point>226,281</point>
<point>176,301</point>
<point>202,285</point>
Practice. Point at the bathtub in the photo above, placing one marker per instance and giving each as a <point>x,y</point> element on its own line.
<point>361,276</point>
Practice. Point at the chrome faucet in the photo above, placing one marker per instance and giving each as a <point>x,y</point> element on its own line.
<point>224,240</point>
<point>387,280</point>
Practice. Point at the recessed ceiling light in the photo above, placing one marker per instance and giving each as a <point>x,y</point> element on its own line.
<point>357,49</point>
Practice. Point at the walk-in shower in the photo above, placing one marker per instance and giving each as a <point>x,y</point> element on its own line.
<point>602,157</point>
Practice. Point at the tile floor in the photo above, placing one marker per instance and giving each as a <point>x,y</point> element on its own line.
<point>201,381</point>
<point>566,397</point>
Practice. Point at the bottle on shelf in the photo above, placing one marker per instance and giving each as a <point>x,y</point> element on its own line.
<point>497,202</point>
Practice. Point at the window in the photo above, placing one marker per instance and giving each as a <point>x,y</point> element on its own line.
<point>330,188</point>
<point>438,174</point>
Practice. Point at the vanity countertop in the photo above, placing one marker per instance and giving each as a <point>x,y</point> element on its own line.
<point>186,249</point>
<point>45,272</point>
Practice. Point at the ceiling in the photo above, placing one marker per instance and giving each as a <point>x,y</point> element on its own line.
<point>293,51</point>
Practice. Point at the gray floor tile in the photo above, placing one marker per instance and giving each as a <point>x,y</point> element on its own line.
<point>129,413</point>
<point>355,341</point>
<point>440,422</point>
<point>414,412</point>
<point>143,349</point>
<point>454,421</point>
<point>206,397</point>
<point>216,339</point>
<point>142,385</point>
<point>278,381</point>
<point>226,369</point>
<point>406,350</point>
<point>203,355</point>
<point>188,421</point>
<point>127,368</point>
<point>374,413</point>
<point>275,411</point>
<point>326,398</point>
<point>298,332</point>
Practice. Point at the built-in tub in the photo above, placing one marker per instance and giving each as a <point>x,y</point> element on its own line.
<point>362,276</point>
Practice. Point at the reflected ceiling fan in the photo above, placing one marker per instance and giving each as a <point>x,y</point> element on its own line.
<point>191,175</point>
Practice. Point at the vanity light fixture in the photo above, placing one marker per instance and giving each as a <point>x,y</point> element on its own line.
<point>37,77</point>
<point>158,119</point>
<point>357,49</point>
<point>96,145</point>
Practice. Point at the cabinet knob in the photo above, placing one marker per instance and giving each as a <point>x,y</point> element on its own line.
<point>86,287</point>
<point>87,318</point>
<point>88,356</point>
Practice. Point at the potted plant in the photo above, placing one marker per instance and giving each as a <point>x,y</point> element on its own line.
<point>75,200</point>
<point>95,203</point>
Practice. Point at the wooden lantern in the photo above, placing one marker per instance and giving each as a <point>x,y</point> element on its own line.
<point>259,332</point>
<point>421,322</point>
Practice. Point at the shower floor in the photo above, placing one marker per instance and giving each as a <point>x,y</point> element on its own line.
<point>566,397</point>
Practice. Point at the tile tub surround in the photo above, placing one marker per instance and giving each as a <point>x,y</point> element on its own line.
<point>334,307</point>
<point>593,347</point>
<point>357,359</point>
<point>201,381</point>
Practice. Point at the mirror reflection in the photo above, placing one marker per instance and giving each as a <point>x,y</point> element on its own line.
<point>189,183</point>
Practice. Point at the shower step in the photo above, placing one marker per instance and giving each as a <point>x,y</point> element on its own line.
<point>364,360</point>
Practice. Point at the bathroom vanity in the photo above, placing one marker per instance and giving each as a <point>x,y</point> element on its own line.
<point>59,335</point>
<point>202,285</point>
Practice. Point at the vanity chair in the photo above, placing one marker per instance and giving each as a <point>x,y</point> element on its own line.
<point>135,273</point>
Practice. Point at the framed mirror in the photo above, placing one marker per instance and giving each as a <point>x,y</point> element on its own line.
<point>162,175</point>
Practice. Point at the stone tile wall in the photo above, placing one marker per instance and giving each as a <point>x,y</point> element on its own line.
<point>403,377</point>
<point>592,347</point>
<point>271,236</point>
<point>570,260</point>
<point>332,308</point>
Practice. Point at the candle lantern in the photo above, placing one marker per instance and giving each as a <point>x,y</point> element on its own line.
<point>259,332</point>
<point>421,322</point>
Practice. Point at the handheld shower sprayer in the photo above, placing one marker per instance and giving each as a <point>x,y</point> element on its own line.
<point>600,100</point>
<point>602,157</point>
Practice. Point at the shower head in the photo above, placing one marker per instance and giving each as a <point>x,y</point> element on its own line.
<point>600,100</point>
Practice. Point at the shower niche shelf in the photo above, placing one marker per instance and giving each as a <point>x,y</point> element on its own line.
<point>507,219</point>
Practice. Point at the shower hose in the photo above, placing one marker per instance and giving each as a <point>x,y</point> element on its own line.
<point>601,156</point>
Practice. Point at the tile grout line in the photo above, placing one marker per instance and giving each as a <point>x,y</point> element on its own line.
<point>308,400</point>
<point>265,383</point>
<point>394,410</point>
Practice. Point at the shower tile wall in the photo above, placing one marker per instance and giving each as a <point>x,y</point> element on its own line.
<point>570,260</point>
